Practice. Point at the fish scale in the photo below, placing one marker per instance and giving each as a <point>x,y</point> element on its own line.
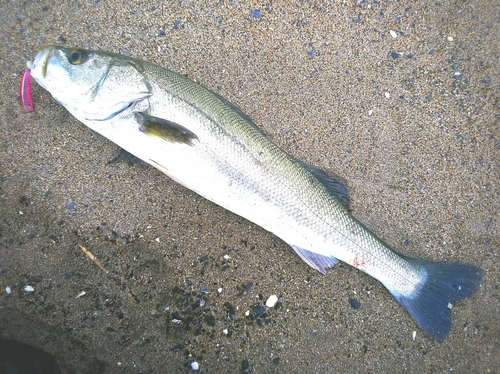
<point>208,145</point>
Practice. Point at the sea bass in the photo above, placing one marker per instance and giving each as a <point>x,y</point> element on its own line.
<point>208,145</point>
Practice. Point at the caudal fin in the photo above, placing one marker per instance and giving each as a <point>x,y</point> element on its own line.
<point>445,284</point>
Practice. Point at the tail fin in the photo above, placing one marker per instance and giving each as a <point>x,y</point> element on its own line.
<point>445,284</point>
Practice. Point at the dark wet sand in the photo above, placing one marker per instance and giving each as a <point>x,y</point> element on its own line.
<point>422,165</point>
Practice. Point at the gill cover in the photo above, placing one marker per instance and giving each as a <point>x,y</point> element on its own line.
<point>91,85</point>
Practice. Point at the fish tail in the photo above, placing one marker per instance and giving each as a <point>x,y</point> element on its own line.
<point>444,285</point>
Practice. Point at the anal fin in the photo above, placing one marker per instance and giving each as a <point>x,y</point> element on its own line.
<point>315,260</point>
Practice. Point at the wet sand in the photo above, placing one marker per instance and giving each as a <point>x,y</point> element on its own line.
<point>400,99</point>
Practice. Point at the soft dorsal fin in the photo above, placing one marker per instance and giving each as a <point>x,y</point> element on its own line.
<point>336,189</point>
<point>165,129</point>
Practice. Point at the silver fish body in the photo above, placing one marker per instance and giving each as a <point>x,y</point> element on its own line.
<point>202,141</point>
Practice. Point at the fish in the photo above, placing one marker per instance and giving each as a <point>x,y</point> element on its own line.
<point>202,141</point>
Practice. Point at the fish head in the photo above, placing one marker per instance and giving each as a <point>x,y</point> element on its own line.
<point>94,86</point>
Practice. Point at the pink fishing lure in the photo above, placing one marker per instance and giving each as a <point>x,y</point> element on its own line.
<point>25,91</point>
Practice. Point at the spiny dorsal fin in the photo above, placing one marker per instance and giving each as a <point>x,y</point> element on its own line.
<point>165,129</point>
<point>337,189</point>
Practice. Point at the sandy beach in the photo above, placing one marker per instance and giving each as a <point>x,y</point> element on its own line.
<point>400,99</point>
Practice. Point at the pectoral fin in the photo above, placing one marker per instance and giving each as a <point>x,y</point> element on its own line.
<point>165,129</point>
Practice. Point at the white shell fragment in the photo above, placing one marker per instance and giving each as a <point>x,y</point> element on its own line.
<point>80,294</point>
<point>393,34</point>
<point>8,290</point>
<point>28,288</point>
<point>387,94</point>
<point>271,301</point>
<point>414,334</point>
<point>195,366</point>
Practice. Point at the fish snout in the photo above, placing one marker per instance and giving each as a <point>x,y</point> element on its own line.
<point>39,65</point>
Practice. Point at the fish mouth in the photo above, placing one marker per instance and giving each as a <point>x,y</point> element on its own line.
<point>39,64</point>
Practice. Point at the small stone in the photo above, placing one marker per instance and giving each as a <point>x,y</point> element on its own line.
<point>28,288</point>
<point>195,366</point>
<point>271,301</point>
<point>355,303</point>
<point>259,310</point>
<point>414,334</point>
<point>245,365</point>
<point>450,38</point>
<point>225,331</point>
<point>395,55</point>
<point>387,94</point>
<point>8,290</point>
<point>257,14</point>
<point>219,290</point>
<point>393,34</point>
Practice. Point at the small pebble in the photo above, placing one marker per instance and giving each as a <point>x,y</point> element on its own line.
<point>450,38</point>
<point>355,303</point>
<point>393,34</point>
<point>225,331</point>
<point>387,94</point>
<point>219,289</point>
<point>259,310</point>
<point>202,303</point>
<point>395,55</point>
<point>8,290</point>
<point>227,257</point>
<point>195,366</point>
<point>28,289</point>
<point>257,14</point>
<point>271,301</point>
<point>414,335</point>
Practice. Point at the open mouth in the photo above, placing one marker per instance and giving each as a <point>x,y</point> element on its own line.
<point>40,62</point>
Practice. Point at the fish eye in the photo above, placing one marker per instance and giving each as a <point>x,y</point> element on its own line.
<point>77,56</point>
